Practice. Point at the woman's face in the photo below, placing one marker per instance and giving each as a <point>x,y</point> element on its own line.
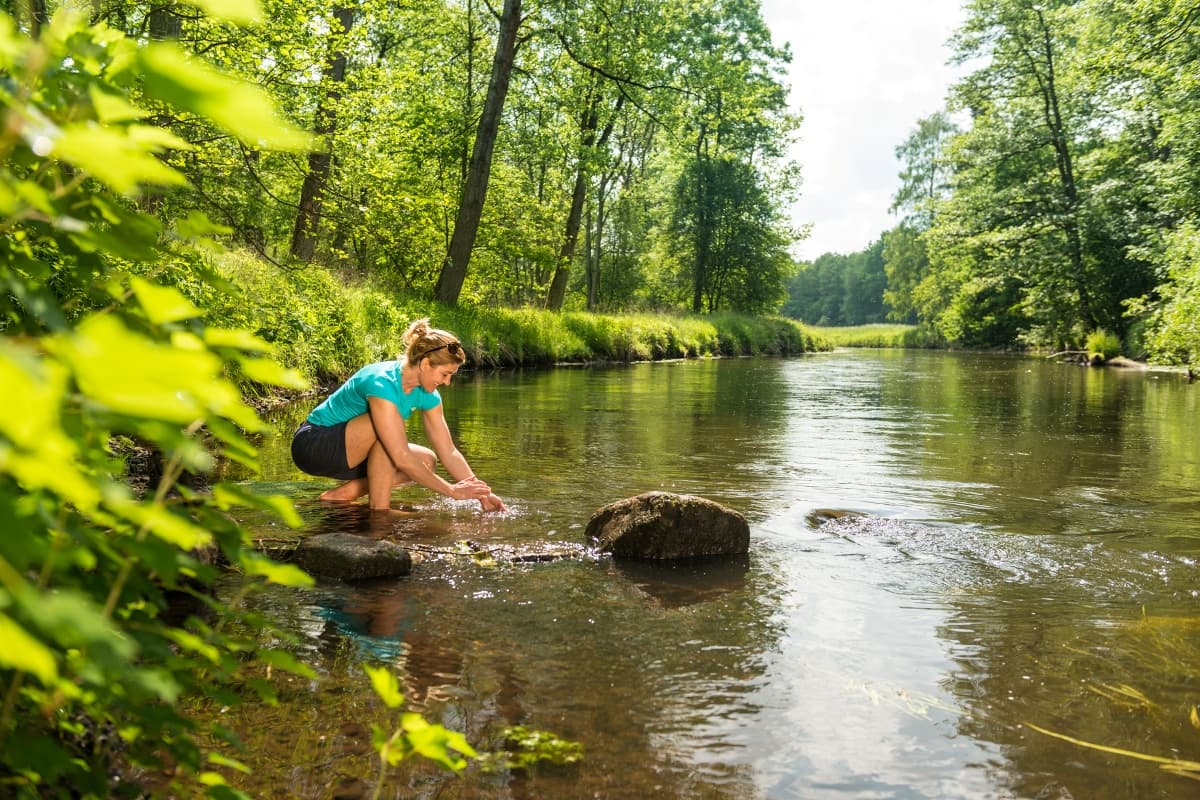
<point>435,375</point>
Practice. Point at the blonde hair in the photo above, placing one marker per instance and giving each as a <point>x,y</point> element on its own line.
<point>442,347</point>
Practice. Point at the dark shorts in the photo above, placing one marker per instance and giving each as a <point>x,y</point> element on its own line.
<point>320,450</point>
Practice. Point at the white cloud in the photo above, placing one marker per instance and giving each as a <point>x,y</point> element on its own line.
<point>863,72</point>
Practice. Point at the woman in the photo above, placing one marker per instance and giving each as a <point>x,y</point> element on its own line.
<point>357,434</point>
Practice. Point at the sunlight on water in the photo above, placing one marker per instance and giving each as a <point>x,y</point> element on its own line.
<point>944,547</point>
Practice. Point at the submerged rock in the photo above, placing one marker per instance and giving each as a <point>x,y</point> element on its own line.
<point>661,525</point>
<point>351,558</point>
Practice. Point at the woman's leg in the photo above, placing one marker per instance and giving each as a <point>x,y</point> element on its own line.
<point>361,445</point>
<point>360,438</point>
<point>382,475</point>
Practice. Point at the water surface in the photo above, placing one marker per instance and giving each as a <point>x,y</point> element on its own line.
<point>1027,556</point>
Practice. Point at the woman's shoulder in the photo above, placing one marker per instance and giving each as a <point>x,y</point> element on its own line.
<point>386,369</point>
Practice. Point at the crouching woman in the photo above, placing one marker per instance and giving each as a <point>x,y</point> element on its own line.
<point>357,435</point>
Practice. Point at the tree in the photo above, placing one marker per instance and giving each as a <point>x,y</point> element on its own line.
<point>1023,246</point>
<point>312,191</point>
<point>735,115</point>
<point>466,223</point>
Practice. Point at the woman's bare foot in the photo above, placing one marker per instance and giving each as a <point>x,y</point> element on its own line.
<point>348,491</point>
<point>354,489</point>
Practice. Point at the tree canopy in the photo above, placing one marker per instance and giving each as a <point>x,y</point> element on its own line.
<point>525,153</point>
<point>1056,194</point>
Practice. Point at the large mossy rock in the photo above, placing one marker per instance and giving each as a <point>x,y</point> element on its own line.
<point>661,525</point>
<point>351,558</point>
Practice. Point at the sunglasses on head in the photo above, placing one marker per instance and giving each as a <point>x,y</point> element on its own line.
<point>454,347</point>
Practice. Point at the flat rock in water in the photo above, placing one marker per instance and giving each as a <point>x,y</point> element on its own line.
<point>662,525</point>
<point>351,558</point>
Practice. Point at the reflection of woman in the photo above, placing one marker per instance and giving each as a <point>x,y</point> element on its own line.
<point>357,435</point>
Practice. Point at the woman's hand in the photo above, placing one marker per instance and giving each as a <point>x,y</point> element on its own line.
<point>492,503</point>
<point>470,489</point>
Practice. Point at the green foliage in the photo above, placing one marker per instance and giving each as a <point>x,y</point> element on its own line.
<point>1103,344</point>
<point>413,735</point>
<point>328,328</point>
<point>1054,208</point>
<point>108,608</point>
<point>840,289</point>
<point>1173,322</point>
<point>726,238</point>
<point>396,130</point>
<point>312,322</point>
<point>526,748</point>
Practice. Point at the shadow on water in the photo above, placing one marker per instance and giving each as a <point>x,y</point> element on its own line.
<point>685,583</point>
<point>1023,551</point>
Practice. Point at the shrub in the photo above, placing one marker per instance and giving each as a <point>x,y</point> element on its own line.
<point>1103,344</point>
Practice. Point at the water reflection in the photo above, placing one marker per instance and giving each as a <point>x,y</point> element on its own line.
<point>1023,550</point>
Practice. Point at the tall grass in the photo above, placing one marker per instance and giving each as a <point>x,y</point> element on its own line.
<point>326,327</point>
<point>877,335</point>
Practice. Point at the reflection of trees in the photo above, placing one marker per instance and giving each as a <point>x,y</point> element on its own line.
<point>1024,430</point>
<point>576,439</point>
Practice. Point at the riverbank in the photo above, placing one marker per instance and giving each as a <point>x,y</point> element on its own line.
<point>326,326</point>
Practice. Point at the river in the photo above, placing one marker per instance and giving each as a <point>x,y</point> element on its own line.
<point>1023,553</point>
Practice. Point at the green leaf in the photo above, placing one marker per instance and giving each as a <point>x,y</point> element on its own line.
<point>244,110</point>
<point>271,373</point>
<point>162,304</point>
<point>154,381</point>
<point>224,792</point>
<point>158,682</point>
<point>112,108</point>
<point>435,742</point>
<point>156,139</point>
<point>73,620</point>
<point>193,643</point>
<point>161,523</point>
<point>274,572</point>
<point>113,157</point>
<point>239,339</point>
<point>385,685</point>
<point>24,653</point>
<point>228,495</point>
<point>239,12</point>
<point>197,224</point>
<point>286,661</point>
<point>231,763</point>
<point>42,455</point>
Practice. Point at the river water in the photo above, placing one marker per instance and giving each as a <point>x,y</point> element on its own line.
<point>1023,553</point>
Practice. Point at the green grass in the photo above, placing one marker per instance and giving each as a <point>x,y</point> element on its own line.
<point>877,335</point>
<point>326,327</point>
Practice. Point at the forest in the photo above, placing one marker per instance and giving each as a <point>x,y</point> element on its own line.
<point>551,154</point>
<point>1057,193</point>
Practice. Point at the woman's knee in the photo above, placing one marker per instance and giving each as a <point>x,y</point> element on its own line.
<point>425,454</point>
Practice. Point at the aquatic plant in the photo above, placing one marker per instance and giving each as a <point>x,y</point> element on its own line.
<point>413,735</point>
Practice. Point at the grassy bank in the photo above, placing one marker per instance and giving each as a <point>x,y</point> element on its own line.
<point>326,327</point>
<point>879,335</point>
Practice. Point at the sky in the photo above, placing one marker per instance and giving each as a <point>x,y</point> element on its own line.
<point>862,73</point>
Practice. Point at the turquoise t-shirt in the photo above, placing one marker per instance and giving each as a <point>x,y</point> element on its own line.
<point>373,380</point>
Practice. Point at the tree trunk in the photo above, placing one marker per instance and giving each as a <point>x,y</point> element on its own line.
<point>312,192</point>
<point>703,234</point>
<point>587,144</point>
<point>470,207</point>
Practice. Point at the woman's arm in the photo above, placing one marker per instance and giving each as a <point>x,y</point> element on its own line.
<point>448,453</point>
<point>443,444</point>
<point>389,431</point>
